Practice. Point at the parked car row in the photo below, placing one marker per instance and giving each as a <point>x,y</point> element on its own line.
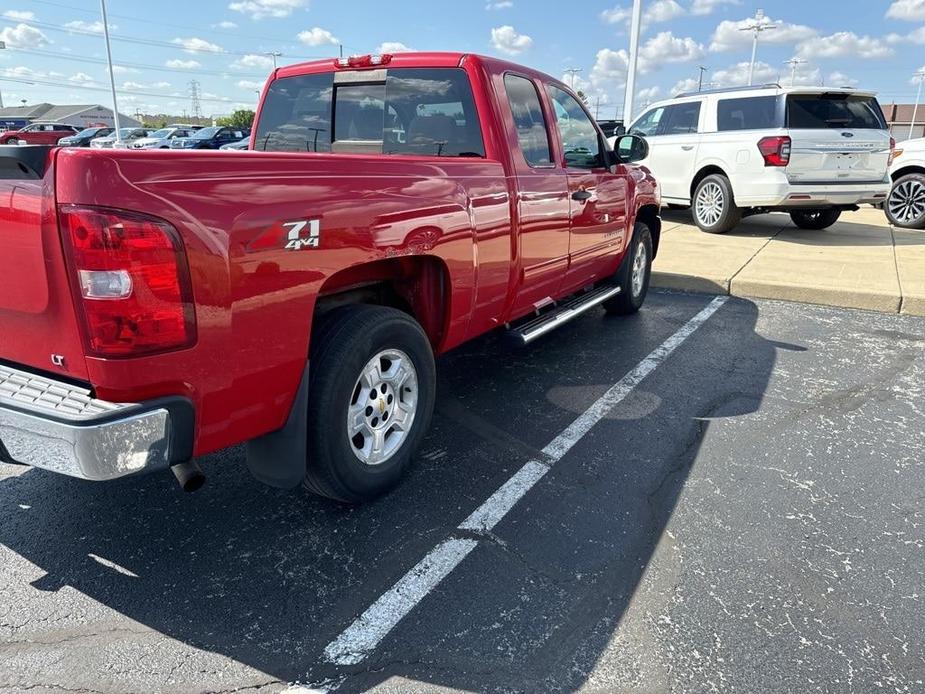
<point>177,135</point>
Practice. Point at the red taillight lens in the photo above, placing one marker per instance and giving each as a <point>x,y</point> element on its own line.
<point>132,281</point>
<point>775,150</point>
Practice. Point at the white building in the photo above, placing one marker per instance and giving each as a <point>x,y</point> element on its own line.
<point>78,115</point>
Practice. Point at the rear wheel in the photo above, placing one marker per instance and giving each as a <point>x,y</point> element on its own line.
<point>371,397</point>
<point>715,211</point>
<point>905,207</point>
<point>634,274</point>
<point>815,219</point>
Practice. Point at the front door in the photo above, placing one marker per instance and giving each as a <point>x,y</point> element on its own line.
<point>597,196</point>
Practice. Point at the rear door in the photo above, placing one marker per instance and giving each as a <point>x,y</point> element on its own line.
<point>836,137</point>
<point>597,197</point>
<point>676,147</point>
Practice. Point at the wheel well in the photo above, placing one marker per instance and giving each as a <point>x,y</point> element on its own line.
<point>702,174</point>
<point>417,285</point>
<point>649,215</point>
<point>908,170</point>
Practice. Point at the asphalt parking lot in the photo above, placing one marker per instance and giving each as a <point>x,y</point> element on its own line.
<point>749,516</point>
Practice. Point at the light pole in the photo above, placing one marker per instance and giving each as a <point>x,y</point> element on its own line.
<point>793,63</point>
<point>112,77</point>
<point>757,26</point>
<point>700,79</point>
<point>915,109</point>
<point>274,55</point>
<point>2,46</point>
<point>572,71</point>
<point>631,63</point>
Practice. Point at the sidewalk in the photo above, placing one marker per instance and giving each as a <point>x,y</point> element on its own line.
<point>859,262</point>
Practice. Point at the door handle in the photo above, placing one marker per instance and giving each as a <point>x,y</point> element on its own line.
<point>582,195</point>
<point>687,148</point>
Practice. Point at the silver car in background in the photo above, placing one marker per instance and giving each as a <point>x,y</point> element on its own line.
<point>160,139</point>
<point>128,135</point>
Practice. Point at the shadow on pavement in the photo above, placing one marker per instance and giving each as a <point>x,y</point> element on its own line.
<point>268,578</point>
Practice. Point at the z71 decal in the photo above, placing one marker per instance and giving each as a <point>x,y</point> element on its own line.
<point>304,233</point>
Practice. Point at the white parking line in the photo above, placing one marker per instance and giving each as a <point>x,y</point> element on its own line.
<point>367,631</point>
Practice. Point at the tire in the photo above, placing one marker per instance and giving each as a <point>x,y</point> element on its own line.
<point>633,274</point>
<point>343,462</point>
<point>905,206</point>
<point>815,219</point>
<point>714,207</point>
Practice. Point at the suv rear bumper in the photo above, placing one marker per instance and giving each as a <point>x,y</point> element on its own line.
<point>60,427</point>
<point>798,195</point>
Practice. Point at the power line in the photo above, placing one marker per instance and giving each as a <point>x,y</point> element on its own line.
<point>133,92</point>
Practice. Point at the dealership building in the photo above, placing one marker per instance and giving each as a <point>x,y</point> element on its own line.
<point>78,115</point>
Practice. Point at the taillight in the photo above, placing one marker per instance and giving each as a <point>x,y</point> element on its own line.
<point>775,150</point>
<point>893,151</point>
<point>132,279</point>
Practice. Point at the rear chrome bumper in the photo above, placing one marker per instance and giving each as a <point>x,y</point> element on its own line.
<point>816,195</point>
<point>60,427</point>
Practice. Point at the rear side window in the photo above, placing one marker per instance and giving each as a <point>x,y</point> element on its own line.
<point>409,111</point>
<point>681,119</point>
<point>820,111</point>
<point>528,119</point>
<point>750,113</point>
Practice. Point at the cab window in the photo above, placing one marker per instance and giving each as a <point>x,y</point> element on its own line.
<point>581,143</point>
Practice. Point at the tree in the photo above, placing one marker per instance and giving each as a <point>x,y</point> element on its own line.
<point>241,118</point>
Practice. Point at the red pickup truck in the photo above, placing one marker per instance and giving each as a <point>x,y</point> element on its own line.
<point>156,306</point>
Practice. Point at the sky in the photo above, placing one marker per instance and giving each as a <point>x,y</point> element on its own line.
<point>55,51</point>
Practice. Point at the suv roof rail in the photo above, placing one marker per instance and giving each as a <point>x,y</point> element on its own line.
<point>768,85</point>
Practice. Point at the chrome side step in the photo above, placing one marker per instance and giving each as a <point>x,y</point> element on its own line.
<point>525,333</point>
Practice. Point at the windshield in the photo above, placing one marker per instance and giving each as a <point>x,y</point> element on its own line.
<point>162,133</point>
<point>87,132</point>
<point>833,110</point>
<point>206,133</point>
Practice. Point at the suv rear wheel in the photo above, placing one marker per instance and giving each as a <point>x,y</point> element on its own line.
<point>715,211</point>
<point>815,219</point>
<point>371,397</point>
<point>905,207</point>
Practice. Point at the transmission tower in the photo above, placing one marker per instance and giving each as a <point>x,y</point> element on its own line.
<point>194,105</point>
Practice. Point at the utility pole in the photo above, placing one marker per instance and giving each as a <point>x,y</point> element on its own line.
<point>2,46</point>
<point>757,26</point>
<point>918,95</point>
<point>112,77</point>
<point>793,63</point>
<point>700,79</point>
<point>633,59</point>
<point>572,71</point>
<point>274,55</point>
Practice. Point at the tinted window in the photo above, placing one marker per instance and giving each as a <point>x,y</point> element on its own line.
<point>648,124</point>
<point>815,111</point>
<point>751,113</point>
<point>681,119</point>
<point>414,111</point>
<point>528,119</point>
<point>580,141</point>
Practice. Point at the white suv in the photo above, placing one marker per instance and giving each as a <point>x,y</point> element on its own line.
<point>810,151</point>
<point>906,204</point>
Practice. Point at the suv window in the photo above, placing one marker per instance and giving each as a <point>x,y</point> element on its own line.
<point>833,110</point>
<point>681,119</point>
<point>648,123</point>
<point>528,119</point>
<point>749,113</point>
<point>581,143</point>
<point>421,111</point>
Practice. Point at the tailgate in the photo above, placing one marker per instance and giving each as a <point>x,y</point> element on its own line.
<point>38,326</point>
<point>836,137</point>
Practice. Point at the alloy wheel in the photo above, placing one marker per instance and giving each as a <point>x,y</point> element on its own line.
<point>709,204</point>
<point>907,201</point>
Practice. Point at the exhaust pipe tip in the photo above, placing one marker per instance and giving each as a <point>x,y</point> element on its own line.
<point>189,475</point>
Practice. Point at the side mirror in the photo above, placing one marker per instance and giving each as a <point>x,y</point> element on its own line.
<point>630,148</point>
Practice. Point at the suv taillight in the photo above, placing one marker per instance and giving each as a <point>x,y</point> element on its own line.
<point>131,279</point>
<point>775,150</point>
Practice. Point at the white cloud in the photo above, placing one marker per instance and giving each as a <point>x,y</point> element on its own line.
<point>253,60</point>
<point>664,48</point>
<point>23,36</point>
<point>249,84</point>
<point>20,72</point>
<point>121,70</point>
<point>844,44</point>
<point>197,45</point>
<point>648,95</point>
<point>907,10</point>
<point>729,35</point>
<point>610,67</point>
<point>840,79</point>
<point>915,36</point>
<point>617,14</point>
<point>19,15</point>
<point>138,85</point>
<point>737,75</point>
<point>702,7</point>
<point>499,5</point>
<point>686,85</point>
<point>178,64</point>
<point>80,78</point>
<point>393,47</point>
<point>316,36</point>
<point>654,13</point>
<point>225,24</point>
<point>258,9</point>
<point>506,40</point>
<point>93,27</point>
